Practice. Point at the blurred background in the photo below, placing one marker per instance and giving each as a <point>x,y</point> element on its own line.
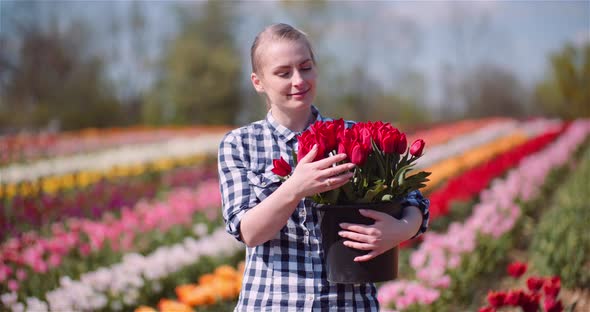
<point>67,65</point>
<point>111,114</point>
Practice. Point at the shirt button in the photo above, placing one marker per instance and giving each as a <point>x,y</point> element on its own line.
<point>309,298</point>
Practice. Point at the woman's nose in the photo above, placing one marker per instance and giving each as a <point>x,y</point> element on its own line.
<point>297,79</point>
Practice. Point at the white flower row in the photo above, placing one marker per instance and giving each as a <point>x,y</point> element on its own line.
<point>461,144</point>
<point>119,285</point>
<point>107,159</point>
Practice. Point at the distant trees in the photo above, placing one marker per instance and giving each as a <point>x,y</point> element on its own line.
<point>493,91</point>
<point>566,91</point>
<point>200,79</point>
<point>49,79</point>
<point>68,74</point>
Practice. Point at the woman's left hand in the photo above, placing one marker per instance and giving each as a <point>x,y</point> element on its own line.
<point>386,233</point>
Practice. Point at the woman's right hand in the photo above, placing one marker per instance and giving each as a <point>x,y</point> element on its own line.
<point>313,177</point>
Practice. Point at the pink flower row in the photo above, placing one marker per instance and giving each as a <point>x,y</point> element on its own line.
<point>494,216</point>
<point>86,236</point>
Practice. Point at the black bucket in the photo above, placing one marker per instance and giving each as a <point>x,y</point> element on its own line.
<point>339,259</point>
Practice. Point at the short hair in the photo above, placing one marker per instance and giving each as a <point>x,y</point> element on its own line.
<point>277,32</point>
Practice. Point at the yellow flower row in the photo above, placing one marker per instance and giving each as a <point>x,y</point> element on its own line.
<point>54,184</point>
<point>224,283</point>
<point>455,165</point>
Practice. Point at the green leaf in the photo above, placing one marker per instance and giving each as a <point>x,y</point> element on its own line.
<point>294,157</point>
<point>387,197</point>
<point>401,174</point>
<point>371,193</point>
<point>380,159</point>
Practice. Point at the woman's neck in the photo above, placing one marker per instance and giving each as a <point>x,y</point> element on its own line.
<point>294,120</point>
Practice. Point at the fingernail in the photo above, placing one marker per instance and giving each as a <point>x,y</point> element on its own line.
<point>342,224</point>
<point>315,146</point>
<point>341,233</point>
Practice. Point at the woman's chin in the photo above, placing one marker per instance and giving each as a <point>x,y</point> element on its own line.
<point>299,103</point>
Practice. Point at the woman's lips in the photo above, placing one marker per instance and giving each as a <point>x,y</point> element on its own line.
<point>299,95</point>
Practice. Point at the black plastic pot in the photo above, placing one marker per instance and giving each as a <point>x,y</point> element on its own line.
<point>339,259</point>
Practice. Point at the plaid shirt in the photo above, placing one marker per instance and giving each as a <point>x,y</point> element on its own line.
<point>287,272</point>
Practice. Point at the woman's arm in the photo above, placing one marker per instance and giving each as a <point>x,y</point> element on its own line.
<point>386,233</point>
<point>262,222</point>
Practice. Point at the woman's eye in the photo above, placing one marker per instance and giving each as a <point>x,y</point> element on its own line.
<point>306,68</point>
<point>283,74</point>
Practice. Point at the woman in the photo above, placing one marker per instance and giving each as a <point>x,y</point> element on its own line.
<point>285,269</point>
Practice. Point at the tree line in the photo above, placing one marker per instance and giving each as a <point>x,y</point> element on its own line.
<point>50,77</point>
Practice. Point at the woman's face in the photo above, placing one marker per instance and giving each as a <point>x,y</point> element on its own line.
<point>287,74</point>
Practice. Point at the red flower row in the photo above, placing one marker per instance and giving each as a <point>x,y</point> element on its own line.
<point>530,300</point>
<point>475,180</point>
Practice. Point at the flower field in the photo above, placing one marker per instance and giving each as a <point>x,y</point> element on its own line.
<point>129,220</point>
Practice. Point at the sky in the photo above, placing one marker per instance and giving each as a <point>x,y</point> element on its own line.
<point>384,37</point>
<point>516,35</point>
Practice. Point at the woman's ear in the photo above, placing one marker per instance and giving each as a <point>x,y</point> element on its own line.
<point>257,83</point>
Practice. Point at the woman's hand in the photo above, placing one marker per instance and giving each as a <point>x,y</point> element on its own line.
<point>386,233</point>
<point>311,178</point>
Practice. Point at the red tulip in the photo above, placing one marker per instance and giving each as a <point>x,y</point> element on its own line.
<point>486,309</point>
<point>530,302</point>
<point>306,141</point>
<point>517,269</point>
<point>358,155</point>
<point>281,167</point>
<point>417,148</point>
<point>535,283</point>
<point>552,305</point>
<point>328,135</point>
<point>552,286</point>
<point>513,297</point>
<point>304,146</point>
<point>365,138</point>
<point>344,142</point>
<point>388,142</point>
<point>402,144</point>
<point>496,299</point>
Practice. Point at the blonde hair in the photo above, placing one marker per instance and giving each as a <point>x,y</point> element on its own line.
<point>276,32</point>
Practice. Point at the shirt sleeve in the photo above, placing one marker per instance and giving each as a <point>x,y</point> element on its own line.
<point>236,194</point>
<point>415,198</point>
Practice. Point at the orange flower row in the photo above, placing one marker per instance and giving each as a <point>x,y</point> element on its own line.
<point>443,133</point>
<point>223,284</point>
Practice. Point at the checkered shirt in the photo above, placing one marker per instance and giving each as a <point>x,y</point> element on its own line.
<point>287,272</point>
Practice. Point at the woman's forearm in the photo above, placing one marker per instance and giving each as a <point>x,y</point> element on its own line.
<point>413,220</point>
<point>265,220</point>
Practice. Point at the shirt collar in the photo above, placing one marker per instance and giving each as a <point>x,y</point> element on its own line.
<point>284,132</point>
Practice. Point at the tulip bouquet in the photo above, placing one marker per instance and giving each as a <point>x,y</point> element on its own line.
<point>380,151</point>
